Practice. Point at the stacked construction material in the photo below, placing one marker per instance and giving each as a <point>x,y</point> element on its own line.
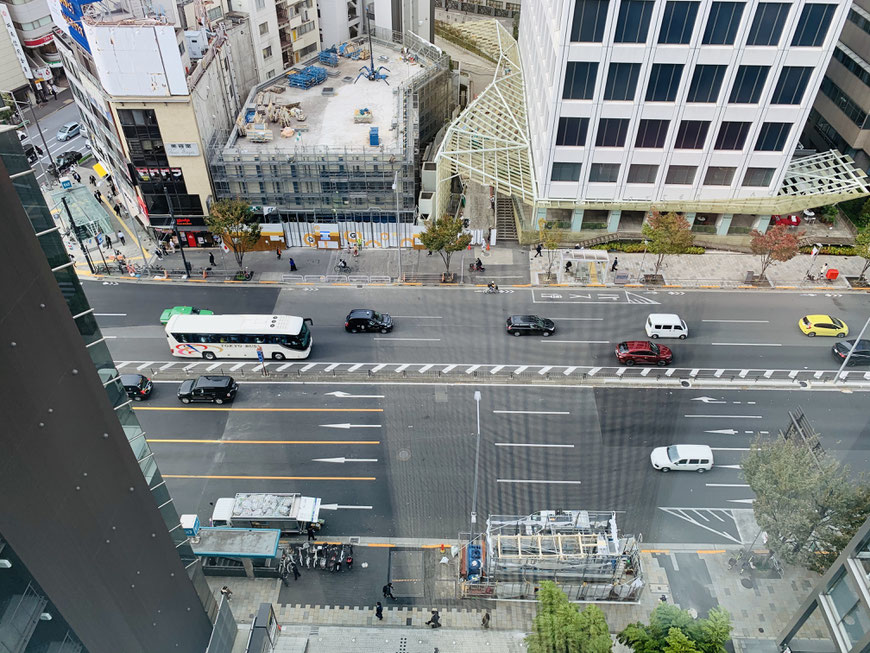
<point>362,115</point>
<point>307,77</point>
<point>329,57</point>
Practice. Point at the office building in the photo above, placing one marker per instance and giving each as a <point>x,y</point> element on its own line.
<point>840,117</point>
<point>29,21</point>
<point>92,555</point>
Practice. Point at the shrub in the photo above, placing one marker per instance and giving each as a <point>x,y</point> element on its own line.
<point>834,250</point>
<point>636,247</point>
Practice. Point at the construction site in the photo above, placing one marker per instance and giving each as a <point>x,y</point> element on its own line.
<point>338,138</point>
<point>580,550</point>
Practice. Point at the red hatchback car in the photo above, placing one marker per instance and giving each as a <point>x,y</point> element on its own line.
<point>641,352</point>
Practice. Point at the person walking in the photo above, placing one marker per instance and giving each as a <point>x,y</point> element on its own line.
<point>310,529</point>
<point>292,265</point>
<point>172,245</point>
<point>117,209</point>
<point>92,180</point>
<point>388,591</point>
<point>278,253</point>
<point>121,236</point>
<point>615,264</point>
<point>379,611</point>
<point>108,242</point>
<point>211,260</point>
<point>227,592</point>
<point>568,267</point>
<point>538,248</point>
<point>434,620</point>
<point>53,90</point>
<point>823,271</point>
<point>485,621</point>
<point>75,175</point>
<point>295,571</point>
<point>98,196</point>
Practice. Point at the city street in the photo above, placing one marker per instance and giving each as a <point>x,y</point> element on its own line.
<point>398,460</point>
<point>65,111</point>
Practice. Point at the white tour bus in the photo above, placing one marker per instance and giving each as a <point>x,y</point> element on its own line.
<point>239,336</point>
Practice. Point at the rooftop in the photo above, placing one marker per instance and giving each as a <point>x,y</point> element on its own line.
<point>330,109</point>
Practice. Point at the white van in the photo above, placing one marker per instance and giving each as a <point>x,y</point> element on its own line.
<point>682,457</point>
<point>666,325</point>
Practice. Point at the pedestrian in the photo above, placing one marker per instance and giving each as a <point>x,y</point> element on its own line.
<point>211,260</point>
<point>379,611</point>
<point>172,245</point>
<point>568,267</point>
<point>295,571</point>
<point>292,265</point>
<point>434,620</point>
<point>284,576</point>
<point>75,175</point>
<point>823,271</point>
<point>113,189</point>
<point>388,591</point>
<point>227,592</point>
<point>278,253</point>
<point>485,621</point>
<point>158,253</point>
<point>117,209</point>
<point>53,89</point>
<point>538,248</point>
<point>98,196</point>
<point>615,264</point>
<point>93,180</point>
<point>108,242</point>
<point>310,529</point>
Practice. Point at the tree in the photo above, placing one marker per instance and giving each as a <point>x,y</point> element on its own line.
<point>776,244</point>
<point>805,501</point>
<point>550,243</point>
<point>666,234</point>
<point>237,226</point>
<point>862,249</point>
<point>672,630</point>
<point>445,237</point>
<point>560,628</point>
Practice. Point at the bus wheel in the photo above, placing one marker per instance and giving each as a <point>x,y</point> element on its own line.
<point>208,355</point>
<point>278,356</point>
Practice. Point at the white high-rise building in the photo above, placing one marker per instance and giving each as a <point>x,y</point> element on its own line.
<point>633,104</point>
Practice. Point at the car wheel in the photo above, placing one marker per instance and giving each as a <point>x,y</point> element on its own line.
<point>683,337</point>
<point>516,334</point>
<point>547,334</point>
<point>278,356</point>
<point>661,363</point>
<point>185,400</point>
<point>208,355</point>
<point>385,330</point>
<point>701,471</point>
<point>655,336</point>
<point>841,335</point>
<point>219,400</point>
<point>665,470</point>
<point>812,334</point>
<point>629,362</point>
<point>137,398</point>
<point>353,330</point>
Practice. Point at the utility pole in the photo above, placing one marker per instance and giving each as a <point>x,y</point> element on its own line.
<point>398,222</point>
<point>476,467</point>
<point>38,128</point>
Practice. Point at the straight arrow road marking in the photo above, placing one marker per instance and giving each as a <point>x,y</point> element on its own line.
<point>337,506</point>
<point>729,466</point>
<point>709,400</point>
<point>536,482</point>
<point>726,485</point>
<point>531,412</point>
<point>347,395</point>
<point>729,448</point>
<point>543,446</point>
<point>741,500</point>
<point>347,425</point>
<point>345,460</point>
<point>728,416</point>
<point>726,432</point>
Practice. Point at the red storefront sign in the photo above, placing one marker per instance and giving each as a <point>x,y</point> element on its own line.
<point>42,40</point>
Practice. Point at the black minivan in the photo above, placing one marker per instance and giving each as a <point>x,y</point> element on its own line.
<point>216,389</point>
<point>521,325</point>
<point>365,320</point>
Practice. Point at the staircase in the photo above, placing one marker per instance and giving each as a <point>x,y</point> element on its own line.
<point>505,222</point>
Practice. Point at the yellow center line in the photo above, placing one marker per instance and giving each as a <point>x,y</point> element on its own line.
<point>272,478</point>
<point>193,441</point>
<point>268,410</point>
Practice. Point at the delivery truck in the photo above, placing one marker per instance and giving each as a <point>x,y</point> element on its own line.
<point>288,511</point>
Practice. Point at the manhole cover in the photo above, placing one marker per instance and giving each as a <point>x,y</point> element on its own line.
<point>404,455</point>
<point>746,582</point>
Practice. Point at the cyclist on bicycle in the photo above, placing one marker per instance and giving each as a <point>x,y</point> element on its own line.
<point>492,287</point>
<point>342,263</point>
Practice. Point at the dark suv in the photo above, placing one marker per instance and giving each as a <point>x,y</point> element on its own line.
<point>641,352</point>
<point>521,325</point>
<point>136,386</point>
<point>363,319</point>
<point>217,389</point>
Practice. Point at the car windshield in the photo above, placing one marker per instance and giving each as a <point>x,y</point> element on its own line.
<point>672,453</point>
<point>377,316</point>
<point>654,347</point>
<point>837,323</point>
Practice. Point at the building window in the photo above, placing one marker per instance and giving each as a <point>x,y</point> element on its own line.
<point>589,19</point>
<point>706,83</point>
<point>859,20</point>
<point>270,74</point>
<point>264,28</point>
<point>632,24</point>
<point>681,175</point>
<point>652,133</point>
<point>723,22</point>
<point>853,66</point>
<point>748,84</point>
<point>261,4</point>
<point>612,132</point>
<point>267,52</point>
<point>767,23</point>
<point>758,177</point>
<point>572,132</point>
<point>565,172</point>
<point>852,618</point>
<point>812,27</point>
<point>844,103</point>
<point>642,174</point>
<point>678,22</point>
<point>692,134</point>
<point>580,80</point>
<point>732,135</point>
<point>664,82</point>
<point>621,81</point>
<point>772,137</point>
<point>607,173</point>
<point>791,85</point>
<point>719,176</point>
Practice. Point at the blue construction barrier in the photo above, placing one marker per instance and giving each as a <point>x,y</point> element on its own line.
<point>307,77</point>
<point>329,57</point>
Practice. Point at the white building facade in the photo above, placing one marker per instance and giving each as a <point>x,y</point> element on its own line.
<point>634,102</point>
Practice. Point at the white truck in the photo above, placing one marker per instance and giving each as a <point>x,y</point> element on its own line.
<point>289,511</point>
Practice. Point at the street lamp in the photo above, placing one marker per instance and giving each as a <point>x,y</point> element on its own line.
<point>399,226</point>
<point>476,465</point>
<point>849,355</point>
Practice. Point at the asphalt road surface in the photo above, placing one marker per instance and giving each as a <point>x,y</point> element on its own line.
<point>49,125</point>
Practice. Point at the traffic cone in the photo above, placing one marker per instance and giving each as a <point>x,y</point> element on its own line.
<point>442,548</point>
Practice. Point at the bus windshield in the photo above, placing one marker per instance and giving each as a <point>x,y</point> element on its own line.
<point>239,336</point>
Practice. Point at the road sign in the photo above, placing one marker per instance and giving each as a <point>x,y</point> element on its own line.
<point>260,354</point>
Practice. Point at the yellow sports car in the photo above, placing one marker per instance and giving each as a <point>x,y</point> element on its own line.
<point>823,325</point>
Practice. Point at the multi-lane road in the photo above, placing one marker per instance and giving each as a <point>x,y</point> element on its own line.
<point>398,460</point>
<point>66,112</point>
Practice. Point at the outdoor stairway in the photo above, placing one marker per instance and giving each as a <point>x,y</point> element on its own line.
<point>504,218</point>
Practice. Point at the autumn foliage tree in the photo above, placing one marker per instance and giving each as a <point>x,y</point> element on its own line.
<point>237,226</point>
<point>862,249</point>
<point>445,236</point>
<point>776,244</point>
<point>668,233</point>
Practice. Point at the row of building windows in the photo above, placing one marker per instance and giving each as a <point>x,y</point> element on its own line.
<point>845,103</point>
<point>691,134</point>
<point>852,66</point>
<point>859,20</point>
<point>679,17</point>
<point>641,173</point>
<point>664,83</point>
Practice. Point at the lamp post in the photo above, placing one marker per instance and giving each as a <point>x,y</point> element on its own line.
<point>476,466</point>
<point>849,355</point>
<point>398,223</point>
<point>642,259</point>
<point>39,129</point>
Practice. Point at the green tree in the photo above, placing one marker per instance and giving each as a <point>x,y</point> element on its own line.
<point>445,237</point>
<point>550,243</point>
<point>666,234</point>
<point>862,249</point>
<point>672,630</point>
<point>677,642</point>
<point>237,226</point>
<point>805,501</point>
<point>559,627</point>
<point>776,244</point>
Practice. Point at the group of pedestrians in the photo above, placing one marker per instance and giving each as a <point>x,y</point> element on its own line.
<point>291,261</point>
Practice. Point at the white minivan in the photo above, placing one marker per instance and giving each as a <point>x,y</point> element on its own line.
<point>666,325</point>
<point>682,457</point>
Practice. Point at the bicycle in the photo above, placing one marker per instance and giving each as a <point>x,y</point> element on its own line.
<point>491,290</point>
<point>343,269</point>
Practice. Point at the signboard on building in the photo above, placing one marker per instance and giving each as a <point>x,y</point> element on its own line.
<point>71,20</point>
<point>42,40</point>
<point>182,149</point>
<point>16,44</point>
<point>155,174</point>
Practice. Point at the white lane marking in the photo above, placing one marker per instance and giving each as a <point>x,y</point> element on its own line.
<point>411,339</point>
<point>544,370</point>
<point>726,485</point>
<point>729,448</point>
<point>419,317</point>
<point>144,365</point>
<point>354,368</point>
<point>283,367</point>
<point>166,366</point>
<point>345,460</point>
<point>678,513</point>
<point>531,412</point>
<point>338,506</point>
<point>740,321</point>
<point>110,314</point>
<point>743,374</point>
<point>331,367</point>
<point>576,342</point>
<point>212,366</point>
<point>308,367</point>
<point>536,482</point>
<point>496,369</point>
<point>726,432</point>
<point>579,319</point>
<point>729,466</point>
<point>645,371</point>
<point>425,368</point>
<point>719,373</point>
<point>712,513</point>
<point>728,416</point>
<point>402,368</point>
<point>237,366</point>
<point>471,369</point>
<point>348,425</point>
<point>521,369</point>
<point>347,395</point>
<point>109,337</point>
<point>118,366</point>
<point>670,371</point>
<point>700,515</point>
<point>593,371</point>
<point>741,500</point>
<point>542,446</point>
<point>768,374</point>
<point>747,344</point>
<point>378,368</point>
<point>448,368</point>
<point>569,370</point>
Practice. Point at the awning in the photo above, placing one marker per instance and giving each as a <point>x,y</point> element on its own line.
<point>100,170</point>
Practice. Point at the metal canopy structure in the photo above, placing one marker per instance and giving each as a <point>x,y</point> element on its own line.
<point>489,144</point>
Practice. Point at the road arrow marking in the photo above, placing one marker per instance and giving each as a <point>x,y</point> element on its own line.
<point>351,426</point>
<point>708,400</point>
<point>354,460</point>
<point>741,500</point>
<point>725,431</point>
<point>337,506</point>
<point>729,466</point>
<point>347,395</point>
<point>725,416</point>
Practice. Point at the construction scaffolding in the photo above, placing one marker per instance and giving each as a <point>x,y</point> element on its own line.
<point>580,550</point>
